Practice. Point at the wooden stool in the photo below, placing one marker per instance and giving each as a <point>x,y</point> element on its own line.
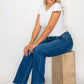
<point>63,68</point>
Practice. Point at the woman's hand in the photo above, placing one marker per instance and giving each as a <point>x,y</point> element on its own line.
<point>26,50</point>
<point>31,47</point>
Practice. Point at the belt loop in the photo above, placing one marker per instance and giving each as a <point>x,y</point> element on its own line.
<point>57,37</point>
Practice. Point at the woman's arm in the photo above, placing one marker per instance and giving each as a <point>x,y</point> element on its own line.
<point>53,19</point>
<point>36,30</point>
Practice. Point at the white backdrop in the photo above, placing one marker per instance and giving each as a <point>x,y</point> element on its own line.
<point>17,20</point>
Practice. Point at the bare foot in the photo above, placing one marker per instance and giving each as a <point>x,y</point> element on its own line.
<point>44,83</point>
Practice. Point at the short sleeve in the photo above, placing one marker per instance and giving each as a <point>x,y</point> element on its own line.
<point>40,10</point>
<point>57,7</point>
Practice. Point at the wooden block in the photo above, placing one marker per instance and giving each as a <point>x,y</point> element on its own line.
<point>63,68</point>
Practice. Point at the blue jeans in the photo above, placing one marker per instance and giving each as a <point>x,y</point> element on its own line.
<point>49,47</point>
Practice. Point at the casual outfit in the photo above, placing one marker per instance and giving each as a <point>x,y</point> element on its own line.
<point>56,43</point>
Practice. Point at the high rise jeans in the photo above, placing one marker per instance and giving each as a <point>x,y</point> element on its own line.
<point>49,47</point>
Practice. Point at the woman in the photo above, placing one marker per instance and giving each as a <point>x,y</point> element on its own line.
<point>55,40</point>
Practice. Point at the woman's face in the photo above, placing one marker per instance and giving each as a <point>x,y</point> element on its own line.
<point>50,1</point>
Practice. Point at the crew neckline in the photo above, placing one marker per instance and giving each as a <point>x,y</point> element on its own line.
<point>50,7</point>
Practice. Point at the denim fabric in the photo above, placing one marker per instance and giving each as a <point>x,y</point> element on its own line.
<point>49,47</point>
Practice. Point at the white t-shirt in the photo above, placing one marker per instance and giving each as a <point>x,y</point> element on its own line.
<point>59,28</point>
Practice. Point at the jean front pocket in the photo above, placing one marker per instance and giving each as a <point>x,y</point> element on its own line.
<point>51,38</point>
<point>65,36</point>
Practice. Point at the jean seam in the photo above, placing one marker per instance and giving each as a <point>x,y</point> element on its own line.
<point>53,48</point>
<point>39,67</point>
<point>68,47</point>
<point>60,39</point>
<point>25,74</point>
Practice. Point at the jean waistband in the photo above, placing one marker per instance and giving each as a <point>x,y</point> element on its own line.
<point>58,37</point>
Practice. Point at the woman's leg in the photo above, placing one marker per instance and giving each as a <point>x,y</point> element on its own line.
<point>24,69</point>
<point>49,49</point>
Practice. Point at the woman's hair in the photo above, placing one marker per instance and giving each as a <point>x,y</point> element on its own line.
<point>45,1</point>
